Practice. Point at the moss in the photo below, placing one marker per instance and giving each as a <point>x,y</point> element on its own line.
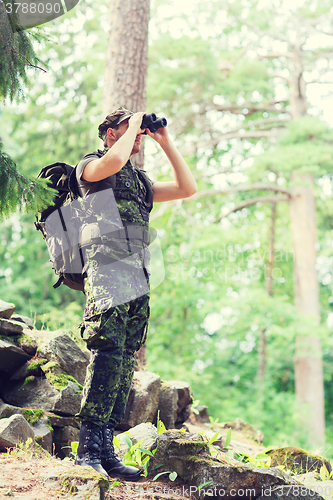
<point>298,460</point>
<point>32,416</point>
<point>68,486</point>
<point>34,365</point>
<point>164,385</point>
<point>209,461</point>
<point>48,366</point>
<point>23,338</point>
<point>85,474</point>
<point>58,377</point>
<point>29,380</point>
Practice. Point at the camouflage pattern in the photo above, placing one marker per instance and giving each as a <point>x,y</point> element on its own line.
<point>116,315</point>
<point>113,337</point>
<point>131,213</point>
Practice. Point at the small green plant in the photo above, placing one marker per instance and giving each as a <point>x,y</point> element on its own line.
<point>136,456</point>
<point>72,454</point>
<point>259,460</point>
<point>324,474</point>
<point>115,483</point>
<point>172,475</point>
<point>160,426</point>
<point>213,449</point>
<point>194,406</point>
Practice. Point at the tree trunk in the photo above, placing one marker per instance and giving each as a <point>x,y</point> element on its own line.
<point>127,59</point>
<point>308,357</point>
<point>270,267</point>
<point>126,71</point>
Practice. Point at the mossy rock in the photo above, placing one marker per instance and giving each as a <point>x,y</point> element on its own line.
<point>81,482</point>
<point>33,415</point>
<point>58,377</point>
<point>297,460</point>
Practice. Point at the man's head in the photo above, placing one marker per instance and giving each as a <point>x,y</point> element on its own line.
<point>113,120</point>
<point>114,126</point>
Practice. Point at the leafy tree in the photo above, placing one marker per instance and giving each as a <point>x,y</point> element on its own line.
<point>17,54</point>
<point>257,103</point>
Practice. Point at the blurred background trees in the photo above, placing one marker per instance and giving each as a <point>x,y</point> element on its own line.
<point>240,84</point>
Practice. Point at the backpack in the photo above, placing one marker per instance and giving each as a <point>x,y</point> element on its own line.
<point>62,178</point>
<point>63,239</point>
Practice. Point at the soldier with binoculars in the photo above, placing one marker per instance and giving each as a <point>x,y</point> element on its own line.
<point>113,327</point>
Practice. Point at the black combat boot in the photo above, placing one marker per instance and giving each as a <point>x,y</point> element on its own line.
<point>111,462</point>
<point>89,449</point>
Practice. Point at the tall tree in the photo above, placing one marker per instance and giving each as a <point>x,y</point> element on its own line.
<point>127,58</point>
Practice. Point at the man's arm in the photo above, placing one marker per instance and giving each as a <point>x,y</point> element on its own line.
<point>184,184</point>
<point>118,154</point>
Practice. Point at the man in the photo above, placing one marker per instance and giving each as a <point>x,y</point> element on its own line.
<point>117,282</point>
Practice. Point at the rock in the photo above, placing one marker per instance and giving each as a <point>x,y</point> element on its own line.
<point>298,460</point>
<point>31,367</point>
<point>9,327</point>
<point>43,434</point>
<point>174,404</point>
<point>200,416</point>
<point>147,433</point>
<point>57,421</point>
<point>27,342</point>
<point>167,405</point>
<point>14,431</point>
<point>188,455</point>
<point>39,393</point>
<point>142,401</point>
<point>24,319</point>
<point>33,392</point>
<point>289,492</point>
<point>67,354</point>
<point>6,309</point>
<point>313,481</point>
<point>69,401</point>
<point>244,429</point>
<point>63,437</point>
<point>80,483</point>
<point>7,411</point>
<point>11,356</point>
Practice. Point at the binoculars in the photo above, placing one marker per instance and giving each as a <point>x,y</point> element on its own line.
<point>151,122</point>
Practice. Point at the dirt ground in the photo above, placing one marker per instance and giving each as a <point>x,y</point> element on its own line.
<point>21,477</point>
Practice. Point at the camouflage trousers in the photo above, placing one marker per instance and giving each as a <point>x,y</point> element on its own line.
<point>112,334</point>
<point>120,332</point>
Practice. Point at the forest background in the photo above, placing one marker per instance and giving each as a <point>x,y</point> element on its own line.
<point>225,317</point>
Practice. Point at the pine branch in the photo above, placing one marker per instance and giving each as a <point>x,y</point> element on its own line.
<point>18,192</point>
<point>29,63</point>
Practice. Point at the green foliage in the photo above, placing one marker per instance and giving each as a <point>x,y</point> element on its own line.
<point>135,455</point>
<point>20,192</point>
<point>17,54</point>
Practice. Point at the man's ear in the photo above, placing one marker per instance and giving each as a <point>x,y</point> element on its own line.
<point>110,134</point>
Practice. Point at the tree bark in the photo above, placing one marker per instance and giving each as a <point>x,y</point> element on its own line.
<point>270,267</point>
<point>309,380</point>
<point>127,59</point>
